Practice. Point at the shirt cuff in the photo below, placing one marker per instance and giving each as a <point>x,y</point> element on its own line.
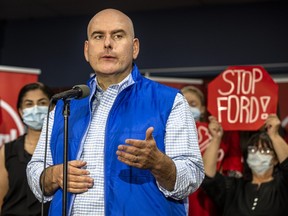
<point>33,177</point>
<point>182,187</point>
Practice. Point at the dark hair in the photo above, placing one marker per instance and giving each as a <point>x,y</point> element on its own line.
<point>254,140</point>
<point>33,86</point>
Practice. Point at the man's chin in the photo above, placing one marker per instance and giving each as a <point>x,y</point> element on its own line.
<point>106,71</point>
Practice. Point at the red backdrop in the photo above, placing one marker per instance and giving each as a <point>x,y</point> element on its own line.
<point>12,79</point>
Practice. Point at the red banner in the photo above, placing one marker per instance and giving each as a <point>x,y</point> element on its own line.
<point>241,97</point>
<point>204,138</point>
<point>12,79</point>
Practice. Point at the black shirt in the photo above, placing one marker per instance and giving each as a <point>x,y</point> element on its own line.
<point>238,197</point>
<point>19,199</point>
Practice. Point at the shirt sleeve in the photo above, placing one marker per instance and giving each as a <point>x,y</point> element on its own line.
<point>215,187</point>
<point>36,165</point>
<point>284,169</point>
<point>181,144</point>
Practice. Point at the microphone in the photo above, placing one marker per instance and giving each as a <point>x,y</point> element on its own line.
<point>77,92</point>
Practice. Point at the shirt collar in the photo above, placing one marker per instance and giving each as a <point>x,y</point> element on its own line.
<point>127,81</point>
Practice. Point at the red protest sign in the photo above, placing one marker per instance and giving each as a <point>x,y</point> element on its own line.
<point>204,139</point>
<point>204,136</point>
<point>241,97</point>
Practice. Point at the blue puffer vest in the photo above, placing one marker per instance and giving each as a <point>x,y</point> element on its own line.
<point>128,191</point>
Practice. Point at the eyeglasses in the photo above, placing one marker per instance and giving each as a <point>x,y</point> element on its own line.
<point>254,149</point>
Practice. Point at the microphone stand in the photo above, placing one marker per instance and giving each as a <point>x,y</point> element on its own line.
<point>66,113</point>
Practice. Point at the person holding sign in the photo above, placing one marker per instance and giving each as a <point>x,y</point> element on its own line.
<point>229,154</point>
<point>263,189</point>
<point>16,198</point>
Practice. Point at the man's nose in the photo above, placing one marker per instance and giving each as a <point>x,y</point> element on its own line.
<point>108,42</point>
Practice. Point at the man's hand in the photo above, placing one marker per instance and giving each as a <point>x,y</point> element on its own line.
<point>78,180</point>
<point>144,154</point>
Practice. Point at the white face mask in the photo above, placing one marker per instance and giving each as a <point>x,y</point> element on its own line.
<point>196,113</point>
<point>33,117</point>
<point>259,163</point>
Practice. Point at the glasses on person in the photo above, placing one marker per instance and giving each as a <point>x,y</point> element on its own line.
<point>254,149</point>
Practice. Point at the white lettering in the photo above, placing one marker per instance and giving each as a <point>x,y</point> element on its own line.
<point>225,73</point>
<point>230,100</point>
<point>255,80</point>
<point>4,138</point>
<point>221,107</point>
<point>245,81</point>
<point>221,154</point>
<point>242,109</point>
<point>264,102</point>
<point>254,111</point>
<point>204,137</point>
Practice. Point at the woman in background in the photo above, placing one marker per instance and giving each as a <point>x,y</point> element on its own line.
<point>263,189</point>
<point>229,157</point>
<point>16,197</point>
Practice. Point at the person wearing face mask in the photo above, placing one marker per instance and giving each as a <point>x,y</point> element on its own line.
<point>263,189</point>
<point>16,198</point>
<point>229,160</point>
<point>196,101</point>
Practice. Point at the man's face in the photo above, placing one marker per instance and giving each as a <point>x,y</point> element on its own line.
<point>111,46</point>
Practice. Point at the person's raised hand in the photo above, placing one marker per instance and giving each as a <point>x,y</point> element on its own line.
<point>215,127</point>
<point>272,124</point>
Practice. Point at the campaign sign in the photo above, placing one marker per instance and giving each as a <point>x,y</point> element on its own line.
<point>204,136</point>
<point>242,97</point>
<point>12,79</point>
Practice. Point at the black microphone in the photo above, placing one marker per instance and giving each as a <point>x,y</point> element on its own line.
<point>77,92</point>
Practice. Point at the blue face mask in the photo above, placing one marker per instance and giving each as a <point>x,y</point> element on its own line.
<point>34,117</point>
<point>196,113</point>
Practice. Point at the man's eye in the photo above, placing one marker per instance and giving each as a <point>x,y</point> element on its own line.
<point>117,37</point>
<point>98,37</point>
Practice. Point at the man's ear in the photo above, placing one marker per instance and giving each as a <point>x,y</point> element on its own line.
<point>86,50</point>
<point>136,48</point>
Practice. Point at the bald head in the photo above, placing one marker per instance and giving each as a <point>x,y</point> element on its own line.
<point>111,16</point>
<point>111,46</point>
